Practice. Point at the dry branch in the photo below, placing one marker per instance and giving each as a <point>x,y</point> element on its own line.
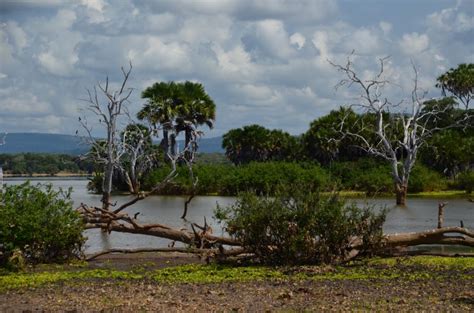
<point>458,236</point>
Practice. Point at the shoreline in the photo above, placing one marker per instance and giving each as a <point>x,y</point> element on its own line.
<point>454,194</point>
<point>43,175</point>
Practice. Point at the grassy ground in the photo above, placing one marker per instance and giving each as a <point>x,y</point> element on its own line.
<point>158,284</point>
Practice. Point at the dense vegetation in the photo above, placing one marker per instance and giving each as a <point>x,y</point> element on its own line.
<point>38,224</point>
<point>51,164</point>
<point>363,175</point>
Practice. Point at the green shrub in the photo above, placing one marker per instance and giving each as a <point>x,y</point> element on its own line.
<point>424,179</point>
<point>40,223</point>
<point>298,226</point>
<point>229,180</point>
<point>466,181</point>
<point>365,174</point>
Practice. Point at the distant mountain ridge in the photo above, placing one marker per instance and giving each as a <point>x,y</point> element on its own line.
<point>69,144</point>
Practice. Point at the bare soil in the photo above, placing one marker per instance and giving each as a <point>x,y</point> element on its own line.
<point>449,294</point>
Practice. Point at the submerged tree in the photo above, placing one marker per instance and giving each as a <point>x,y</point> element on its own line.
<point>398,137</point>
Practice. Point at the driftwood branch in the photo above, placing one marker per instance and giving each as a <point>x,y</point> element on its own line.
<point>445,235</point>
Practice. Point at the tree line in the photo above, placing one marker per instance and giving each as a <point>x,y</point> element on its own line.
<point>42,163</point>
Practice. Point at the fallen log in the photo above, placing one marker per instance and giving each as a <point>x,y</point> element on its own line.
<point>463,236</point>
<point>201,240</point>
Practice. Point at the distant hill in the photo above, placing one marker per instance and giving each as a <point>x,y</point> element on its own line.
<point>210,145</point>
<point>43,143</point>
<point>68,144</point>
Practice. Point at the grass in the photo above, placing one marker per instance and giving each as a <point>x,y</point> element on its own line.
<point>440,194</point>
<point>412,268</point>
<point>423,194</point>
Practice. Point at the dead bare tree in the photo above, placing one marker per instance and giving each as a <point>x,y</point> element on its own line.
<point>125,152</point>
<point>140,155</point>
<point>413,122</point>
<point>110,151</point>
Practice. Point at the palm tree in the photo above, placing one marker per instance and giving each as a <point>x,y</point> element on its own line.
<point>177,107</point>
<point>161,110</point>
<point>197,109</point>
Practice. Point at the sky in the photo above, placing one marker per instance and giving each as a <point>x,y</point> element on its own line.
<point>262,62</point>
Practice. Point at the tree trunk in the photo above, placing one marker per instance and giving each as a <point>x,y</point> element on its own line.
<point>165,145</point>
<point>401,193</point>
<point>172,145</point>
<point>107,186</point>
<point>439,236</point>
<point>187,140</point>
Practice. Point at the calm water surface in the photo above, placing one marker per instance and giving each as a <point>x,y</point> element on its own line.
<point>420,214</point>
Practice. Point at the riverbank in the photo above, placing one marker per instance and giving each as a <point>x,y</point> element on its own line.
<point>157,282</point>
<point>44,175</point>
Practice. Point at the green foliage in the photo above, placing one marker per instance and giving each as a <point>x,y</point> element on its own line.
<point>299,226</point>
<point>406,268</point>
<point>212,158</point>
<point>40,222</point>
<point>450,151</point>
<point>264,178</point>
<point>95,183</point>
<point>323,140</point>
<point>365,174</point>
<point>466,181</point>
<point>424,179</point>
<point>459,82</point>
<point>255,143</point>
<point>229,180</point>
<point>41,163</point>
<point>177,107</point>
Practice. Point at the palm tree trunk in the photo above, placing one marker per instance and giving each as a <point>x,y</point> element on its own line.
<point>165,145</point>
<point>187,140</point>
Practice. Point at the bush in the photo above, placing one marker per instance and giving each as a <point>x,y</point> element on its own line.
<point>300,227</point>
<point>229,180</point>
<point>365,174</point>
<point>466,181</point>
<point>424,179</point>
<point>40,223</point>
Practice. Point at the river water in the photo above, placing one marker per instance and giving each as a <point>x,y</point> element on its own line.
<point>419,214</point>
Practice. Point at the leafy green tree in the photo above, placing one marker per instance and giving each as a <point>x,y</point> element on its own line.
<point>324,141</point>
<point>256,143</point>
<point>448,151</point>
<point>458,82</point>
